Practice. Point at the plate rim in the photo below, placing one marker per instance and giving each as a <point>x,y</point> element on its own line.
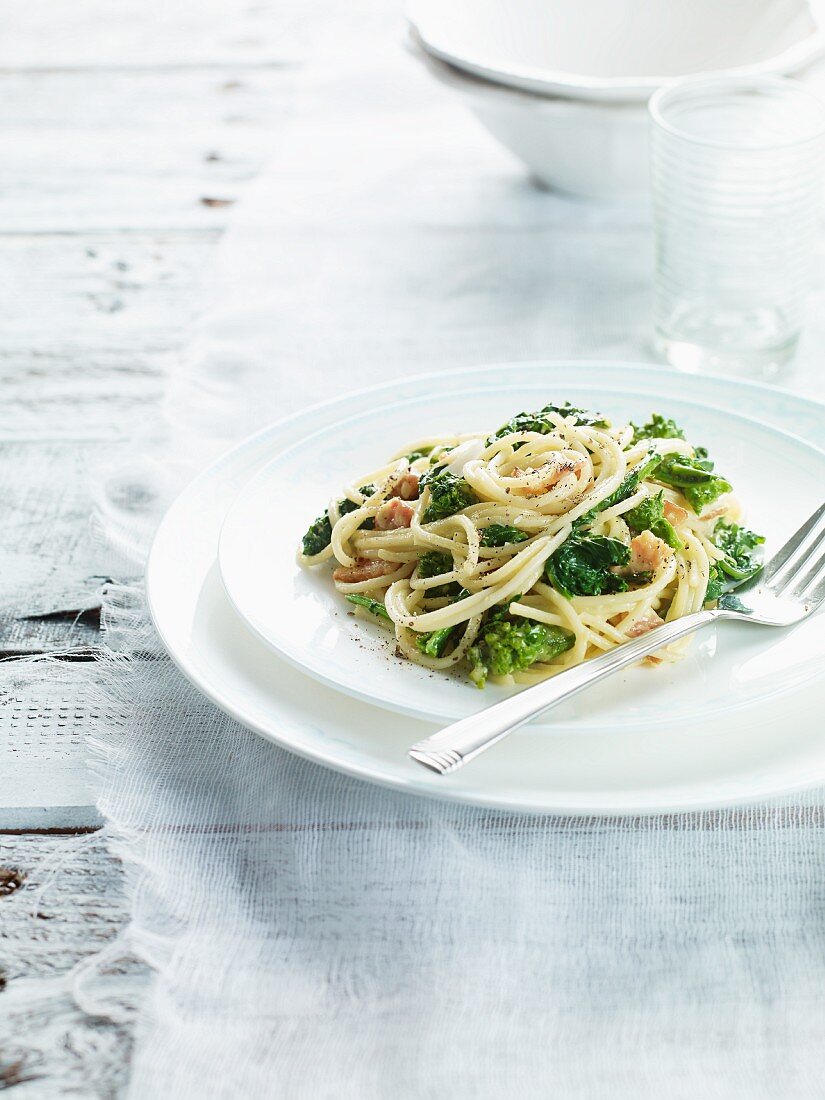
<point>291,740</point>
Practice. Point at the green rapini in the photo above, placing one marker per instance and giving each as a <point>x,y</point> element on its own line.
<point>506,645</point>
<point>739,563</point>
<point>650,516</point>
<point>540,421</point>
<point>582,565</point>
<point>434,643</point>
<point>432,564</point>
<point>422,452</point>
<point>658,427</point>
<point>319,533</point>
<point>629,484</point>
<point>448,494</point>
<point>502,534</point>
<point>373,606</point>
<point>739,544</point>
<point>694,478</point>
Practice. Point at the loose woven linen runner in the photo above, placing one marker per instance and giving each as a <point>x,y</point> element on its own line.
<point>315,936</point>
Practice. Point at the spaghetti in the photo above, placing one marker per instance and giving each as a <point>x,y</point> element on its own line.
<point>523,553</point>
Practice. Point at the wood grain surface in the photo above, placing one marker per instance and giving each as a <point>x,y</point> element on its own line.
<point>127,132</point>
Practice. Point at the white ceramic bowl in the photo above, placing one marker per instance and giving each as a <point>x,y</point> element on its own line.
<point>616,49</point>
<point>594,150</point>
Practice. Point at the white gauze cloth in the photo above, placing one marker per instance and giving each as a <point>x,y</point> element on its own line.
<point>316,937</point>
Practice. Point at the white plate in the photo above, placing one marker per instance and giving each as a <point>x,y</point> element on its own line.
<point>741,754</point>
<point>584,50</point>
<point>300,614</point>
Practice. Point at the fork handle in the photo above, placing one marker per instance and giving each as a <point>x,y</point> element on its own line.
<point>452,747</point>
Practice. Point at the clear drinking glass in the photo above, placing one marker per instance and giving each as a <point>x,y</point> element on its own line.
<point>737,181</point>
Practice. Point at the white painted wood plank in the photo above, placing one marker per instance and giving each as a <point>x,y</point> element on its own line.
<point>69,906</point>
<point>88,322</point>
<point>92,34</point>
<point>46,712</point>
<point>130,152</point>
<point>48,555</point>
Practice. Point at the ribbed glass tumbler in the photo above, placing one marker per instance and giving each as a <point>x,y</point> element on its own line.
<point>737,181</point>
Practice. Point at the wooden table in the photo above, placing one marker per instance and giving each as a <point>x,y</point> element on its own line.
<point>127,131</point>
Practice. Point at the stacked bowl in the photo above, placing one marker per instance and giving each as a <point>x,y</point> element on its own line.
<point>564,85</point>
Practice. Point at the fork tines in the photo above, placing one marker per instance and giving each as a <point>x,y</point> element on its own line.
<point>786,573</point>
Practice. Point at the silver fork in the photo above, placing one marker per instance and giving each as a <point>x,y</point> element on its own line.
<point>790,587</point>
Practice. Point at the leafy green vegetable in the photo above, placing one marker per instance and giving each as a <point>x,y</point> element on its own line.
<point>739,563</point>
<point>433,563</point>
<point>478,669</point>
<point>715,586</point>
<point>540,421</point>
<point>738,543</point>
<point>510,645</point>
<point>430,475</point>
<point>630,483</point>
<point>650,516</point>
<point>731,602</point>
<point>319,533</point>
<point>434,643</point>
<point>373,606</point>
<point>581,565</point>
<point>658,427</point>
<point>318,536</point>
<point>694,477</point>
<point>448,494</point>
<point>422,452</point>
<point>500,534</point>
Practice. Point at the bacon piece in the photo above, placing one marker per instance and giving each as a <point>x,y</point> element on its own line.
<point>648,622</point>
<point>674,513</point>
<point>365,569</point>
<point>647,552</point>
<point>393,514</point>
<point>556,467</point>
<point>406,487</point>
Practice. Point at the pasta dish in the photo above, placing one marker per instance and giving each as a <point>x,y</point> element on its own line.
<point>518,554</point>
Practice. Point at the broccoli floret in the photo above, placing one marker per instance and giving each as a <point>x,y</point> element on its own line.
<point>500,534</point>
<point>510,645</point>
<point>658,427</point>
<point>650,516</point>
<point>319,534</point>
<point>448,494</point>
